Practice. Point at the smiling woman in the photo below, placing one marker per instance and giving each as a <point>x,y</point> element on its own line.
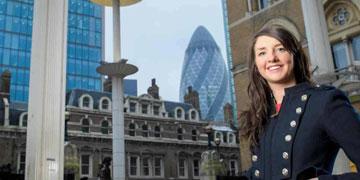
<point>293,127</point>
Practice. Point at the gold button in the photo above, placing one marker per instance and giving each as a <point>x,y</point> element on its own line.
<point>317,85</point>
<point>293,123</point>
<point>254,158</point>
<point>288,138</point>
<point>285,155</point>
<point>257,173</point>
<point>298,110</point>
<point>285,171</point>
<point>304,97</point>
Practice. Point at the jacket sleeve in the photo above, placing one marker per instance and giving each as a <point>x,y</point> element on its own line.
<point>342,125</point>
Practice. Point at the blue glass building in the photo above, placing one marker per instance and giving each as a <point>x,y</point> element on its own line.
<point>83,48</point>
<point>204,69</point>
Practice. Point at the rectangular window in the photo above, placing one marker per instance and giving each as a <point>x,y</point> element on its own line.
<point>133,166</point>
<point>21,165</point>
<point>340,57</point>
<point>157,166</point>
<point>132,107</point>
<point>144,108</point>
<point>356,48</point>
<point>233,167</point>
<point>85,164</point>
<point>196,166</point>
<point>156,110</point>
<point>146,166</point>
<point>182,168</point>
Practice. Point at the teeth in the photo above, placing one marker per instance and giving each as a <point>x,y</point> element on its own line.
<point>274,67</point>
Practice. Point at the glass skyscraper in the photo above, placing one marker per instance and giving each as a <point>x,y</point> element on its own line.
<point>204,69</point>
<point>84,47</point>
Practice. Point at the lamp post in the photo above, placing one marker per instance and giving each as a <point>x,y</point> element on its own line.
<point>208,130</point>
<point>217,142</point>
<point>117,70</point>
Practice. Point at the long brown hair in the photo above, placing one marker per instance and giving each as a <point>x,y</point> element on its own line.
<point>253,121</point>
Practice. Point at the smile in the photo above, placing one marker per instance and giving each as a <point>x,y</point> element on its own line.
<point>274,67</point>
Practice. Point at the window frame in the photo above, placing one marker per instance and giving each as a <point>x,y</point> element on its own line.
<point>90,165</point>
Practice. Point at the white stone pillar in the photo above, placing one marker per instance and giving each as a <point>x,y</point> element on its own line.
<point>118,129</point>
<point>317,36</point>
<point>46,111</point>
<point>116,31</point>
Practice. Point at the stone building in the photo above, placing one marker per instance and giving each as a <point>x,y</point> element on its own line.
<point>338,30</point>
<point>163,139</point>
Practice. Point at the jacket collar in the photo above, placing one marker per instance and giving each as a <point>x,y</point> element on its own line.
<point>301,87</point>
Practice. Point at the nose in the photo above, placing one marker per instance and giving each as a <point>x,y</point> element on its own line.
<point>272,57</point>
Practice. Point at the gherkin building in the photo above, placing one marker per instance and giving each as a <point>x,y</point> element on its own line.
<point>204,69</point>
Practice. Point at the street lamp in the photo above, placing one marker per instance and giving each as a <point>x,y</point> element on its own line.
<point>208,130</point>
<point>217,142</point>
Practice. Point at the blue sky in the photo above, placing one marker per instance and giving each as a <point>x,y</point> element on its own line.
<point>155,35</point>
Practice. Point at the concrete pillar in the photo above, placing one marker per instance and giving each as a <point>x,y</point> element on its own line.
<point>317,36</point>
<point>45,131</point>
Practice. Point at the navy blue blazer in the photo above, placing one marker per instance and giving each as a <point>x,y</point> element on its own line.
<point>302,141</point>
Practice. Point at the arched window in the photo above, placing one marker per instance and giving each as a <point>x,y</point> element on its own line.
<point>179,113</point>
<point>85,126</point>
<point>86,102</point>
<point>180,134</point>
<point>132,131</point>
<point>157,131</point>
<point>105,104</point>
<point>145,131</point>
<point>218,135</point>
<point>231,138</point>
<point>193,115</point>
<point>194,135</point>
<point>104,127</point>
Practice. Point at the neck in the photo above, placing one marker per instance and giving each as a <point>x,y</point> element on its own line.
<point>278,91</point>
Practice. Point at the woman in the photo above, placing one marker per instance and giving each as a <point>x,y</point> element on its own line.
<point>294,128</point>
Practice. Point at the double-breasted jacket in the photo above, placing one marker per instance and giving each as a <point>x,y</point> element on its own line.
<point>302,141</point>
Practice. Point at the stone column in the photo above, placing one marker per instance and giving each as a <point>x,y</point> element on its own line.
<point>317,36</point>
<point>45,131</point>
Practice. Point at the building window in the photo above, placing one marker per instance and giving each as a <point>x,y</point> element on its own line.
<point>144,109</point>
<point>132,107</point>
<point>23,119</point>
<point>104,127</point>
<point>263,4</point>
<point>179,113</point>
<point>21,163</point>
<point>194,135</point>
<point>145,131</point>
<point>233,167</point>
<point>132,131</point>
<point>86,165</point>
<point>146,166</point>
<point>182,168</point>
<point>86,102</point>
<point>193,115</point>
<point>180,134</point>
<point>196,167</point>
<point>157,167</point>
<point>133,166</point>
<point>340,57</point>
<point>157,131</point>
<point>85,126</point>
<point>218,135</point>
<point>356,48</point>
<point>105,104</point>
<point>231,138</point>
<point>156,110</point>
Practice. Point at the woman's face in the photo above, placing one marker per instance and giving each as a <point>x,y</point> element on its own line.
<point>274,62</point>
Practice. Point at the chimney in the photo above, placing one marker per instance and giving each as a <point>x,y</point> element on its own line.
<point>228,113</point>
<point>192,98</point>
<point>153,90</point>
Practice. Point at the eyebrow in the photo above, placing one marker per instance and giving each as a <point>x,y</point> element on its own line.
<point>262,48</point>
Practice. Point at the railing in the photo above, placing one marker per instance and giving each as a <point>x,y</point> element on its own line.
<point>346,79</point>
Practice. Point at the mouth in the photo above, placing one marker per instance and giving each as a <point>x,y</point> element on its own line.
<point>274,68</point>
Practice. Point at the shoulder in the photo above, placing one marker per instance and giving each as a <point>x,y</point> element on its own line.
<point>326,91</point>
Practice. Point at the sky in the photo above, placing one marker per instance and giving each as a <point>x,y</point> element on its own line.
<point>155,35</point>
